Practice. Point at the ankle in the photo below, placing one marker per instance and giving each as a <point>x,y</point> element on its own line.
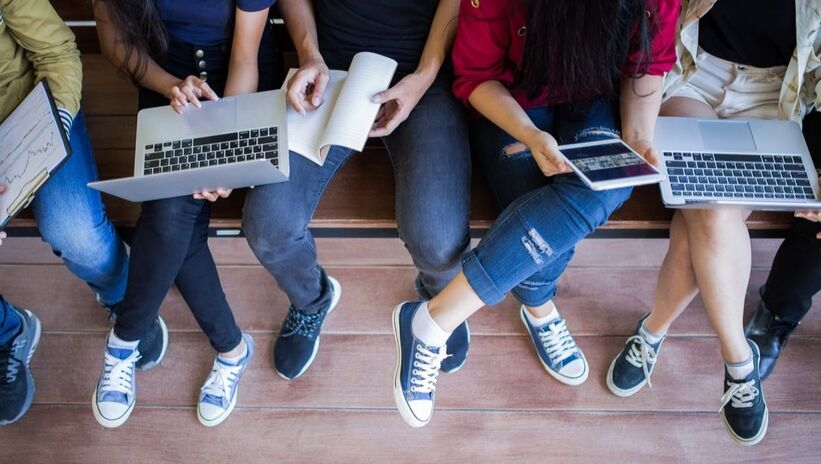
<point>426,329</point>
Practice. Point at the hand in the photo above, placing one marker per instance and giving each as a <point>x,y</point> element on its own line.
<point>645,148</point>
<point>306,88</point>
<point>397,103</point>
<point>545,151</point>
<point>190,90</point>
<point>213,196</point>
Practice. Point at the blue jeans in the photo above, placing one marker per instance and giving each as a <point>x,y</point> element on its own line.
<point>534,238</point>
<point>431,163</point>
<point>72,220</point>
<point>170,243</point>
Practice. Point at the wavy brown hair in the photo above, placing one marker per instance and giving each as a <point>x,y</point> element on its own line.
<point>140,31</point>
<point>579,47</point>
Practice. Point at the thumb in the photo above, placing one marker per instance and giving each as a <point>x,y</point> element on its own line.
<point>384,96</point>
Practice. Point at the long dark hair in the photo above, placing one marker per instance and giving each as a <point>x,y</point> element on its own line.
<point>579,47</point>
<point>141,32</point>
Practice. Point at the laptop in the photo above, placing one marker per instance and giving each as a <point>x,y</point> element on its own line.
<point>759,164</point>
<point>234,142</point>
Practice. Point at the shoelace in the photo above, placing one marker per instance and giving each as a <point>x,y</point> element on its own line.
<point>118,372</point>
<point>740,394</point>
<point>425,370</point>
<point>298,322</point>
<point>9,365</point>
<point>221,380</point>
<point>641,355</point>
<point>557,341</point>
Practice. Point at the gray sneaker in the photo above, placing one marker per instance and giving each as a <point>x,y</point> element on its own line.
<point>16,382</point>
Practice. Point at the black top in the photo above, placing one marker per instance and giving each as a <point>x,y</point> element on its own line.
<point>758,33</point>
<point>394,28</point>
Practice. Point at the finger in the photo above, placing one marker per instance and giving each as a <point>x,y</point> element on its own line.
<point>385,126</point>
<point>318,91</point>
<point>385,95</point>
<point>652,156</point>
<point>224,193</point>
<point>295,93</point>
<point>2,188</point>
<point>189,94</point>
<point>181,100</point>
<point>206,91</point>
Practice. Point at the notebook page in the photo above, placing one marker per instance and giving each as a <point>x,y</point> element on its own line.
<point>354,112</point>
<point>305,131</point>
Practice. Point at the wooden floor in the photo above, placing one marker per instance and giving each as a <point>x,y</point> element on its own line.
<point>501,407</point>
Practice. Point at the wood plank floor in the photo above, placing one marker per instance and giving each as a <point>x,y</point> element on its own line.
<point>502,407</point>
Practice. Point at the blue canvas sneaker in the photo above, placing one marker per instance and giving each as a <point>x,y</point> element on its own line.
<point>417,368</point>
<point>557,350</point>
<point>743,408</point>
<point>631,369</point>
<point>298,340</point>
<point>218,395</point>
<point>114,398</point>
<point>16,382</point>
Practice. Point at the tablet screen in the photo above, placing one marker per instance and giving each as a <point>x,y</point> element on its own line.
<point>608,161</point>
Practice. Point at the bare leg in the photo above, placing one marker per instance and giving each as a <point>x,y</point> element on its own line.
<point>454,304</point>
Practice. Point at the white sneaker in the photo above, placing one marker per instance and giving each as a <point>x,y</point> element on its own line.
<point>115,396</point>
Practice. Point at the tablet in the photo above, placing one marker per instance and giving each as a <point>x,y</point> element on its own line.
<point>609,164</point>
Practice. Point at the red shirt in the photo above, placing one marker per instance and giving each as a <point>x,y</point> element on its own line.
<point>490,41</point>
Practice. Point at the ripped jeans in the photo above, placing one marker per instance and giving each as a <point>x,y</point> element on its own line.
<point>532,241</point>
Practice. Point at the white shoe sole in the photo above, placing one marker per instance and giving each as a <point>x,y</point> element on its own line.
<point>109,423</point>
<point>619,391</point>
<point>337,288</point>
<point>398,396</point>
<point>752,441</point>
<point>219,419</point>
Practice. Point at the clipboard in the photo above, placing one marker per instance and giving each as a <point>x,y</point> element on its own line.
<point>33,146</point>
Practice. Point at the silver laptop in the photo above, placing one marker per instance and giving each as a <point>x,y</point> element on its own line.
<point>234,142</point>
<point>761,164</point>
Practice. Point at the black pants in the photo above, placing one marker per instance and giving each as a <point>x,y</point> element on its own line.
<point>170,243</point>
<point>796,273</point>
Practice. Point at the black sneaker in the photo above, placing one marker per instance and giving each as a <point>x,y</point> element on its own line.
<point>458,344</point>
<point>770,334</point>
<point>152,347</point>
<point>16,382</point>
<point>632,368</point>
<point>743,408</point>
<point>298,340</point>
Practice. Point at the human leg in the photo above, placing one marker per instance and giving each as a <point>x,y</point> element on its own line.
<point>72,220</point>
<point>431,161</point>
<point>275,220</point>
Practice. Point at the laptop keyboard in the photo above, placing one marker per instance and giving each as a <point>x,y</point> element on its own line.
<point>213,150</point>
<point>730,175</point>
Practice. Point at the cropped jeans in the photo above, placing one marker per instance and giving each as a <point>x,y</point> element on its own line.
<point>529,246</point>
<point>72,220</point>
<point>431,163</point>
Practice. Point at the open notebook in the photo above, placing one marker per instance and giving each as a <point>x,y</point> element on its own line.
<point>346,116</point>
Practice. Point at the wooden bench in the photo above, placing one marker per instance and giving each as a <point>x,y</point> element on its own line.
<point>360,199</point>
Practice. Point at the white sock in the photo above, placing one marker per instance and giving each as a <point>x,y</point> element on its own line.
<point>540,321</point>
<point>426,329</point>
<point>234,360</point>
<point>117,342</point>
<point>740,371</point>
<point>651,337</point>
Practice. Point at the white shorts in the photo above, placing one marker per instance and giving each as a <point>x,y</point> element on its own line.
<point>735,90</point>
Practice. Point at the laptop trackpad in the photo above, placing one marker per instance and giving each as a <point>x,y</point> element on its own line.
<point>727,135</point>
<point>214,117</point>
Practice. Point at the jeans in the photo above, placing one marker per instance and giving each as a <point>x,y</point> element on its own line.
<point>796,272</point>
<point>532,241</point>
<point>72,220</point>
<point>431,162</point>
<point>171,237</point>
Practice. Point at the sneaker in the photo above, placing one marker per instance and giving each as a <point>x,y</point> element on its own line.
<point>458,346</point>
<point>153,346</point>
<point>743,408</point>
<point>218,395</point>
<point>770,334</point>
<point>557,350</point>
<point>114,398</point>
<point>632,368</point>
<point>16,382</point>
<point>417,368</point>
<point>298,340</point>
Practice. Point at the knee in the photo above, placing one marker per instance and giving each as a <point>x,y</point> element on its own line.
<point>269,237</point>
<point>438,249</point>
<point>92,244</point>
<point>714,227</point>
